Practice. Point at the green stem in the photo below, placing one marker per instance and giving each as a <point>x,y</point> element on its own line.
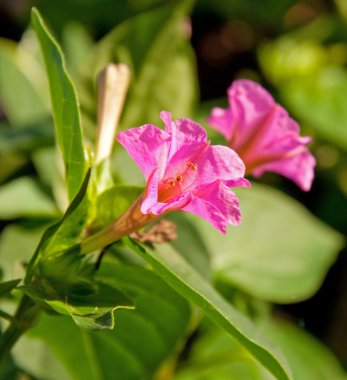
<point>130,221</point>
<point>26,314</point>
<point>6,316</point>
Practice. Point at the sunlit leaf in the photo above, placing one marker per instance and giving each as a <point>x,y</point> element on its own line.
<point>308,358</point>
<point>215,356</point>
<point>65,107</point>
<point>141,339</point>
<point>26,104</point>
<point>23,197</point>
<point>175,271</point>
<point>155,46</point>
<point>279,253</point>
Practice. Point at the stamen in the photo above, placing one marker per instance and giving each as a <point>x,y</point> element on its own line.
<point>179,178</point>
<point>171,182</point>
<point>192,165</point>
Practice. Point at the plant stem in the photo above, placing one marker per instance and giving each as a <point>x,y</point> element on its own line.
<point>132,220</point>
<point>26,315</point>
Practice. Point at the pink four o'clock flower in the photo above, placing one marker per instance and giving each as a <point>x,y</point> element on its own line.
<point>263,134</point>
<point>184,172</point>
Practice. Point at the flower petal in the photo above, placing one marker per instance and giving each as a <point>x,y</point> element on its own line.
<point>207,211</point>
<point>185,132</point>
<point>220,162</point>
<point>250,105</point>
<point>151,193</point>
<point>299,168</point>
<point>224,199</point>
<point>176,204</point>
<point>217,204</point>
<point>221,120</point>
<point>144,145</point>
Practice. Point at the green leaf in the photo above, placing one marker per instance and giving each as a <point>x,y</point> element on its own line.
<point>155,45</point>
<point>73,222</point>
<point>76,43</point>
<point>7,286</point>
<point>142,339</point>
<point>17,245</point>
<point>215,356</point>
<point>25,139</point>
<point>113,202</point>
<point>41,364</point>
<point>307,357</point>
<point>66,113</point>
<point>174,78</point>
<point>175,271</point>
<point>23,198</point>
<point>89,303</point>
<point>188,235</point>
<point>310,84</point>
<point>320,101</point>
<point>52,256</point>
<point>279,253</point>
<point>10,163</point>
<point>93,311</point>
<point>26,104</point>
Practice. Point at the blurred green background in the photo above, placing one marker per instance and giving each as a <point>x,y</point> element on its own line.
<point>296,49</point>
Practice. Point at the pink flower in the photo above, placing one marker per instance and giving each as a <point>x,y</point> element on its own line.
<point>184,172</point>
<point>263,134</point>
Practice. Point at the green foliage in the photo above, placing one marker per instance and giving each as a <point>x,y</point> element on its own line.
<point>185,280</point>
<point>7,286</point>
<point>26,104</point>
<point>141,340</point>
<point>307,357</point>
<point>113,202</point>
<point>154,44</point>
<point>280,253</point>
<point>65,107</point>
<point>215,356</point>
<point>288,250</point>
<point>310,78</point>
<point>26,139</point>
<point>23,198</point>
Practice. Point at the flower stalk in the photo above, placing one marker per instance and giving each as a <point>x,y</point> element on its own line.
<point>130,221</point>
<point>26,315</point>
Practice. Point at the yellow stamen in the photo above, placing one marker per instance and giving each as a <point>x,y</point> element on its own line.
<point>192,165</point>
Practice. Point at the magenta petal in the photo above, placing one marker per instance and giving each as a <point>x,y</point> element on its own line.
<point>263,134</point>
<point>166,117</point>
<point>185,132</point>
<point>238,182</point>
<point>184,171</point>
<point>298,168</point>
<point>276,135</point>
<point>151,193</point>
<point>144,145</point>
<point>176,204</point>
<point>224,199</point>
<point>220,119</point>
<point>207,211</point>
<point>250,105</point>
<point>220,162</point>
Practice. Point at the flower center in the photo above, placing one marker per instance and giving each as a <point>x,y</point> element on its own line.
<point>173,187</point>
